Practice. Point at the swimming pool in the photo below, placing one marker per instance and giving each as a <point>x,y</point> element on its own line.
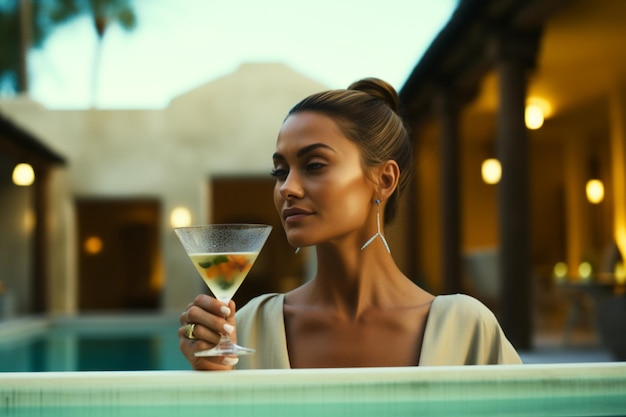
<point>507,390</point>
<point>121,342</point>
<point>131,366</point>
<point>148,342</point>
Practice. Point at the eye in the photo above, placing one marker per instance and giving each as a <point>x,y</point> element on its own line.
<point>279,173</point>
<point>315,166</point>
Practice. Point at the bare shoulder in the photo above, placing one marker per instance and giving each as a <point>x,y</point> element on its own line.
<point>298,296</point>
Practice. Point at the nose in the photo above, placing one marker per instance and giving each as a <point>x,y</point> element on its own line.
<point>291,187</point>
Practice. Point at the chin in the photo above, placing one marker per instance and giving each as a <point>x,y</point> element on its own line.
<point>297,240</point>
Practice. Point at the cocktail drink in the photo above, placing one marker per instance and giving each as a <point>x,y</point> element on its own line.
<point>223,254</point>
<point>223,273</point>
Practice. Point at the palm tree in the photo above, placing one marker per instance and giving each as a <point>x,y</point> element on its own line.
<point>103,14</point>
<point>16,37</point>
<point>26,24</point>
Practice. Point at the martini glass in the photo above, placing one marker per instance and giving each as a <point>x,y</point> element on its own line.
<point>223,254</point>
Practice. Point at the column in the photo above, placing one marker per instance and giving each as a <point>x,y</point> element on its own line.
<point>514,57</point>
<point>617,113</point>
<point>39,288</point>
<point>576,206</point>
<point>448,113</point>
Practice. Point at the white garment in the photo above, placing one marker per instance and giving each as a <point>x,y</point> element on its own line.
<point>460,330</point>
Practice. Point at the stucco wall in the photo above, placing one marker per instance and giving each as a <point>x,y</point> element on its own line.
<point>16,241</point>
<point>227,126</point>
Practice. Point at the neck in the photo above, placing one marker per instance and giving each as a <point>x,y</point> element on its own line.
<point>353,281</point>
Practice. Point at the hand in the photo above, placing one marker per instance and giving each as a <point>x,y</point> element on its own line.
<point>211,318</point>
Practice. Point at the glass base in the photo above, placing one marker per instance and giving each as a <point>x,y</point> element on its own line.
<point>225,348</point>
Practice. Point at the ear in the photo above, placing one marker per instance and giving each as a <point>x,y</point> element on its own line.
<point>387,177</point>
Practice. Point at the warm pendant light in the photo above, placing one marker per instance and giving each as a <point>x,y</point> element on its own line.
<point>180,217</point>
<point>491,171</point>
<point>23,175</point>
<point>595,191</point>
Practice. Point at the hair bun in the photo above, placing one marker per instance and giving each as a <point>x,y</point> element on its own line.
<point>378,88</point>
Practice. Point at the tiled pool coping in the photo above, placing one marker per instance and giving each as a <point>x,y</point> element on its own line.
<point>521,390</point>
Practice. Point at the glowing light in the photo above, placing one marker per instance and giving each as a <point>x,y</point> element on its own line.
<point>537,110</point>
<point>585,270</point>
<point>23,175</point>
<point>93,245</point>
<point>560,271</point>
<point>595,191</point>
<point>533,117</point>
<point>180,217</point>
<point>491,171</point>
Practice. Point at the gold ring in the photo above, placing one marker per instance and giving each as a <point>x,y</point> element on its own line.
<point>190,327</point>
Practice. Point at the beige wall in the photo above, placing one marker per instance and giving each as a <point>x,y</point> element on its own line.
<point>227,126</point>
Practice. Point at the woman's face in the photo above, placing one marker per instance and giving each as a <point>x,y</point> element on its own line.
<point>321,193</point>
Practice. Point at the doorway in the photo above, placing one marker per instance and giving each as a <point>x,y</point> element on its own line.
<point>119,257</point>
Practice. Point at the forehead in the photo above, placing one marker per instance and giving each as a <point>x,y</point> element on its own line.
<point>303,128</point>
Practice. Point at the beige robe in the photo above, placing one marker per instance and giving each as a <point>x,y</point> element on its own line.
<point>460,330</point>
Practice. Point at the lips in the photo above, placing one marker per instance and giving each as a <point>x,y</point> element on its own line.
<point>295,214</point>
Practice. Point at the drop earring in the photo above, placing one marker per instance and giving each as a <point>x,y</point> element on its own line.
<point>378,234</point>
<point>297,250</point>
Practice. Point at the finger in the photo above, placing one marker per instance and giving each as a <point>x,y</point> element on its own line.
<point>211,319</point>
<point>202,333</point>
<point>231,325</point>
<point>232,307</point>
<point>212,305</point>
<point>207,363</point>
<point>214,363</point>
<point>212,322</point>
<point>183,317</point>
<point>190,346</point>
<point>230,360</point>
<point>212,313</point>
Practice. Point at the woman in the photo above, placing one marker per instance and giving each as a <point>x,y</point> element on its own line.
<point>342,158</point>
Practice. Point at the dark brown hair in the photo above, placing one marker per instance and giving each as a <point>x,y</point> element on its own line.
<point>367,112</point>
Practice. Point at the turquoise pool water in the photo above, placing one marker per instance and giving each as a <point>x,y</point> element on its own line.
<point>91,343</point>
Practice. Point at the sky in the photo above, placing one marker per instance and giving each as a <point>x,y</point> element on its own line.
<point>179,45</point>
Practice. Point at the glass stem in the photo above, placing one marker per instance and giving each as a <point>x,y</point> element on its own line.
<point>225,343</point>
